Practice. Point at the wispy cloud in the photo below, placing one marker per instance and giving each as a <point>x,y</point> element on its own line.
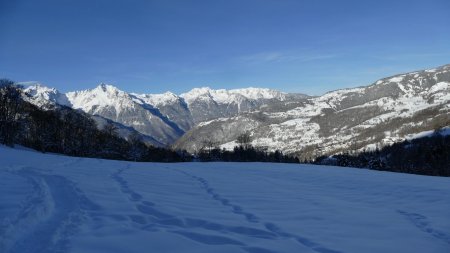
<point>278,57</point>
<point>265,57</point>
<point>407,56</point>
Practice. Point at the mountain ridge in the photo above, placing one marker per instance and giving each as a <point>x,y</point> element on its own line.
<point>293,123</point>
<point>329,123</point>
<point>164,117</point>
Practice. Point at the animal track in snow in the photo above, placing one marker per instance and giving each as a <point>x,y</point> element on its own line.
<point>424,225</point>
<point>271,228</point>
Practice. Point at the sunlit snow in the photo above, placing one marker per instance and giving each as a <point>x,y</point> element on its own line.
<point>51,203</point>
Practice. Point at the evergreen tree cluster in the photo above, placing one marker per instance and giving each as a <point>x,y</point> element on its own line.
<point>70,132</point>
<point>425,156</point>
<point>244,152</point>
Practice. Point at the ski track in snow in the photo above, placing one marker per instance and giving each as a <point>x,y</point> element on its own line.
<point>52,214</point>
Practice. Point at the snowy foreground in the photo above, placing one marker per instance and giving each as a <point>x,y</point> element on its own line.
<point>51,203</point>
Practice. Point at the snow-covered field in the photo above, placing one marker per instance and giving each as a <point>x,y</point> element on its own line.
<point>51,203</point>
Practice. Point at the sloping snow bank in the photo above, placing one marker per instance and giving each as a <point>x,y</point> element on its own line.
<point>51,203</point>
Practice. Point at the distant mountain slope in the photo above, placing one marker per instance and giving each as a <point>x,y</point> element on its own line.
<point>50,98</point>
<point>348,119</point>
<point>425,153</point>
<point>163,117</point>
<point>170,106</point>
<point>106,102</point>
<point>208,104</point>
<point>112,103</point>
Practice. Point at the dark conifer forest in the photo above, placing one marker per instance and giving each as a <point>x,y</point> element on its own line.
<point>245,154</point>
<point>425,156</point>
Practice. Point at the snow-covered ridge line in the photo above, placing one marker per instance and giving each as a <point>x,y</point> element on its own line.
<point>348,119</point>
<point>233,95</point>
<point>165,117</point>
<point>278,120</point>
<point>250,92</point>
<point>103,91</point>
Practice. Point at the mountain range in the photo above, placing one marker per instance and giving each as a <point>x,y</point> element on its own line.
<point>344,120</point>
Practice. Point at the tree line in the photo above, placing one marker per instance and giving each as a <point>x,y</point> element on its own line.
<point>243,152</point>
<point>425,156</point>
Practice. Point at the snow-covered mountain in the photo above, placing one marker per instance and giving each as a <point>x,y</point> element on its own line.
<point>50,98</point>
<point>170,106</point>
<point>347,119</point>
<point>164,117</point>
<point>108,102</point>
<point>341,120</point>
<point>232,96</point>
<point>43,96</point>
<point>208,104</point>
<point>127,109</point>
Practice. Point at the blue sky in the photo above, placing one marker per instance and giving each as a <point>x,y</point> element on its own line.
<point>153,46</point>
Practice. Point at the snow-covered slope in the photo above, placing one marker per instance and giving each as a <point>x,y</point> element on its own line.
<point>43,96</point>
<point>53,203</point>
<point>232,96</point>
<point>111,103</point>
<point>170,106</point>
<point>50,99</point>
<point>342,120</point>
<point>159,99</point>
<point>208,104</point>
<point>103,96</point>
<point>164,117</point>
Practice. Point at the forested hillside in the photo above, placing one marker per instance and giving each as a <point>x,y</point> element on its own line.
<point>429,155</point>
<point>67,131</point>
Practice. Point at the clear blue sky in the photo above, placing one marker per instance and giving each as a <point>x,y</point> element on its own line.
<point>154,46</point>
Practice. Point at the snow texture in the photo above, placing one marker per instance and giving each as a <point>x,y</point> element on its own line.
<point>51,203</point>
